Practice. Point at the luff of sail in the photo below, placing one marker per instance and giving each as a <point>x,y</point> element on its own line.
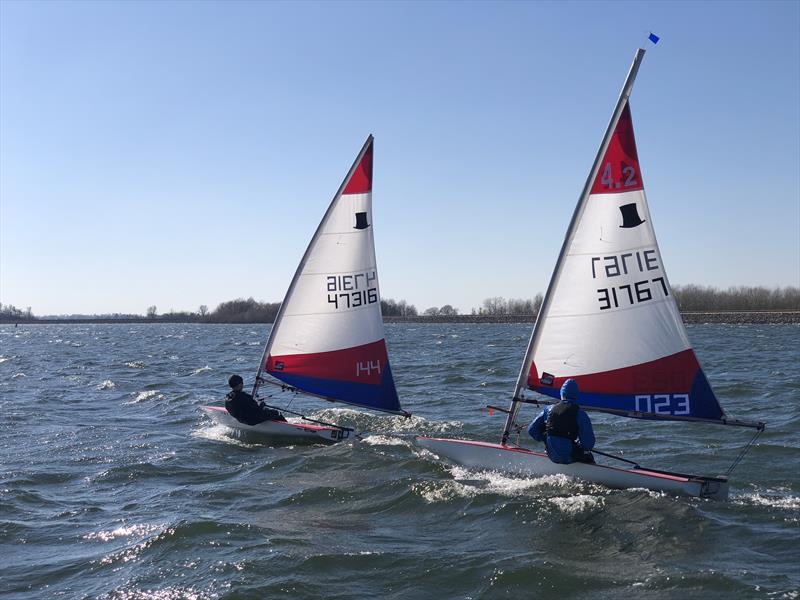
<point>612,322</point>
<point>328,338</point>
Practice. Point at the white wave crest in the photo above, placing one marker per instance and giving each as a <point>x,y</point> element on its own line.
<point>385,440</point>
<point>132,552</point>
<point>505,485</point>
<point>573,505</point>
<point>107,385</point>
<point>386,424</point>
<point>18,375</point>
<point>777,501</point>
<point>205,369</point>
<point>138,530</point>
<point>220,433</point>
<point>135,364</point>
<point>443,491</point>
<point>147,395</point>
<point>418,425</point>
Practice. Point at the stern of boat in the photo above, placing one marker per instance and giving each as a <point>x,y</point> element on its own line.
<point>714,488</point>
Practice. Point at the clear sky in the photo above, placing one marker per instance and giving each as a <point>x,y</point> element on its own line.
<point>183,153</point>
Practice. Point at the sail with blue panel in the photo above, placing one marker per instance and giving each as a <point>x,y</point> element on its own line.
<point>610,320</point>
<point>328,337</point>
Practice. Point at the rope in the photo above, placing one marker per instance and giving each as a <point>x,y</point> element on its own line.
<point>305,418</point>
<point>744,451</point>
<point>615,457</point>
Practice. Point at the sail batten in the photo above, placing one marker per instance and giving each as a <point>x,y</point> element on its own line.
<point>328,338</point>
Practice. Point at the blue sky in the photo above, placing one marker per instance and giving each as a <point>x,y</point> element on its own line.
<point>180,154</point>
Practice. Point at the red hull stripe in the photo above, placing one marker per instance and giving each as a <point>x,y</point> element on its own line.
<point>361,181</point>
<point>619,170</point>
<point>671,374</point>
<point>362,364</point>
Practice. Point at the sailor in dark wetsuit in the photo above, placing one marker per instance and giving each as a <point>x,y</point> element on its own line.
<point>244,408</point>
<point>565,428</point>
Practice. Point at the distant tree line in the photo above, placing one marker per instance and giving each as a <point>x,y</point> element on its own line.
<point>444,311</point>
<point>232,311</point>
<point>391,308</point>
<point>690,298</point>
<point>498,305</point>
<point>705,298</point>
<point>10,313</point>
<point>243,311</point>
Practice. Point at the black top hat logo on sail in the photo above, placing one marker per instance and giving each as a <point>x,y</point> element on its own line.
<point>361,220</point>
<point>630,216</point>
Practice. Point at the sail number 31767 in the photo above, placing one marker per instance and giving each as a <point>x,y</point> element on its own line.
<point>630,294</point>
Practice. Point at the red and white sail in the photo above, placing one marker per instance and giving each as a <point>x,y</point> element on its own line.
<point>328,338</point>
<point>609,319</point>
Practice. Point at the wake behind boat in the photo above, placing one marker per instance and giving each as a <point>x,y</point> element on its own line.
<point>609,321</point>
<point>328,339</point>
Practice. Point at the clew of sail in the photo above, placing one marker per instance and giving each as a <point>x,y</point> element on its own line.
<point>328,338</point>
<point>611,322</point>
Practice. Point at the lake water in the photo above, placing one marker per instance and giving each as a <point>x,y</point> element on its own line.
<point>114,486</point>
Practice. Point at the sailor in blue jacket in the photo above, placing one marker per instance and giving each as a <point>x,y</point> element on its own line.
<point>565,428</point>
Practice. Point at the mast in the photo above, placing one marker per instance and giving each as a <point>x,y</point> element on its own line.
<point>526,363</point>
<point>303,261</point>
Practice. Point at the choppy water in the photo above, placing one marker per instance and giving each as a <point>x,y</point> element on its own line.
<point>114,486</point>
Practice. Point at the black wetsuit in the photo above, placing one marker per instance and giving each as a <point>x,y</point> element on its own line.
<point>245,409</point>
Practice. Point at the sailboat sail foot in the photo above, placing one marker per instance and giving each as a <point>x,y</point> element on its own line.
<point>552,399</point>
<point>285,386</point>
<point>673,386</point>
<point>381,396</point>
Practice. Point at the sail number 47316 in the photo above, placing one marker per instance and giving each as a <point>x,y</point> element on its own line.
<point>663,404</point>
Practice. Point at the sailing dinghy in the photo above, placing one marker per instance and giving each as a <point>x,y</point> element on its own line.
<point>609,321</point>
<point>328,339</point>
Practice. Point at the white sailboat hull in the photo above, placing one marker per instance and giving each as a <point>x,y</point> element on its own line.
<point>513,459</point>
<point>279,429</point>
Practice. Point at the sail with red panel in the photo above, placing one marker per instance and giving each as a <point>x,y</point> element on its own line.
<point>328,338</point>
<point>609,319</point>
<point>612,323</point>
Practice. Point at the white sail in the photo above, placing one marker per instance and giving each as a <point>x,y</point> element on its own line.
<point>328,337</point>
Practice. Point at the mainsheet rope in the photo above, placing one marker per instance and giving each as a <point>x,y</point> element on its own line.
<point>744,451</point>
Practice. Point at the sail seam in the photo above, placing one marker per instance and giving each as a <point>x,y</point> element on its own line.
<point>617,250</point>
<point>327,272</point>
<point>357,232</point>
<point>331,314</point>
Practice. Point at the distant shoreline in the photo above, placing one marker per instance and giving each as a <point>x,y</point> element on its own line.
<point>690,317</point>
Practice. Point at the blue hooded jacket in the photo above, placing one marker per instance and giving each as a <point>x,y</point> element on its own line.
<point>559,449</point>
